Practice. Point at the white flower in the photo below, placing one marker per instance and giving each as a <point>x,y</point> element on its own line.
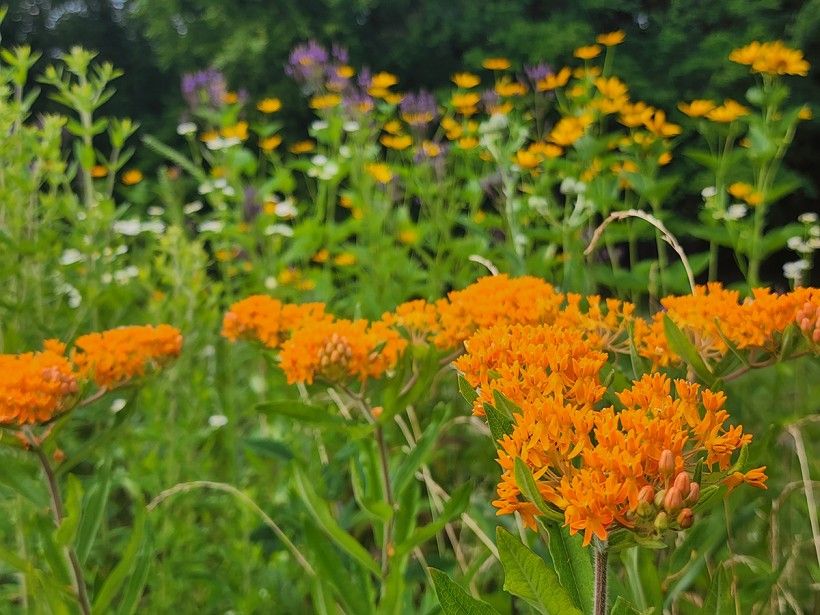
<point>205,188</point>
<point>74,296</point>
<point>228,191</point>
<point>736,211</point>
<point>279,229</point>
<point>794,270</point>
<point>118,404</point>
<point>319,125</point>
<point>186,128</point>
<point>155,211</point>
<point>350,126</point>
<point>153,226</point>
<point>130,227</point>
<point>107,278</point>
<point>217,420</point>
<point>708,192</point>
<point>807,218</point>
<point>192,208</point>
<point>271,282</point>
<point>71,256</point>
<point>211,226</point>
<point>121,249</point>
<point>208,351</point>
<point>285,209</point>
<point>319,160</point>
<point>124,275</point>
<point>345,151</point>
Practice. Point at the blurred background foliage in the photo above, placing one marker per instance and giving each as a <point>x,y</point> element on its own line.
<point>674,50</point>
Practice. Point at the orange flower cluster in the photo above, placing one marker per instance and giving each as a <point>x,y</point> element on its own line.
<point>601,469</point>
<point>335,350</point>
<point>35,386</point>
<point>772,58</point>
<point>113,357</point>
<point>268,320</point>
<point>713,316</point>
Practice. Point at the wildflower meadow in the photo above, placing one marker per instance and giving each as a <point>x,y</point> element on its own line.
<point>520,343</point>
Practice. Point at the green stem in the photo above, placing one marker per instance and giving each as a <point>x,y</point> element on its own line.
<point>388,492</point>
<point>601,556</point>
<point>78,581</point>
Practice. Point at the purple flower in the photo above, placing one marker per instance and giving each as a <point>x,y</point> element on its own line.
<point>418,109</point>
<point>537,72</point>
<point>203,88</point>
<point>251,208</point>
<point>358,102</point>
<point>307,64</point>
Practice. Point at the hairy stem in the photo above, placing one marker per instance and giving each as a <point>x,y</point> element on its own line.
<point>601,557</point>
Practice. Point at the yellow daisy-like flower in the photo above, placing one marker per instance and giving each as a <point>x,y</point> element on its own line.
<point>131,177</point>
<point>610,39</point>
<point>696,108</point>
<point>553,81</point>
<point>468,143</point>
<point>728,112</point>
<point>383,81</point>
<point>526,159</point>
<point>397,142</point>
<point>380,172</point>
<point>237,131</point>
<point>270,143</point>
<point>98,171</point>
<point>507,87</point>
<point>587,52</point>
<point>325,101</point>
<point>773,58</point>
<point>465,80</point>
<point>269,105</point>
<point>465,100</point>
<point>409,236</point>
<point>302,147</point>
<point>496,64</point>
<point>345,259</point>
<point>230,98</point>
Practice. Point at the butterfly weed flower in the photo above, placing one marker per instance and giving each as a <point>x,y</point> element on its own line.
<point>36,386</point>
<point>112,358</point>
<point>267,320</point>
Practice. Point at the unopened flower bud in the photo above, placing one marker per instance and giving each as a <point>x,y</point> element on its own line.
<point>645,510</point>
<point>661,521</point>
<point>58,455</point>
<point>682,482</point>
<point>672,501</point>
<point>666,464</point>
<point>646,494</point>
<point>659,497</point>
<point>685,518</point>
<point>694,494</point>
<point>376,411</point>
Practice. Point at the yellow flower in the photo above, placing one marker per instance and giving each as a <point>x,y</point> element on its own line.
<point>230,98</point>
<point>237,131</point>
<point>302,147</point>
<point>131,177</point>
<point>805,113</point>
<point>383,80</point>
<point>507,87</point>
<point>269,207</point>
<point>696,108</point>
<point>610,39</point>
<point>465,80</point>
<point>409,236</point>
<point>325,101</point>
<point>547,150</point>
<point>496,63</point>
<point>209,135</point>
<point>398,142</point>
<point>431,149</point>
<point>463,100</point>
<point>270,143</point>
<point>394,127</point>
<point>635,114</point>
<point>345,201</point>
<point>345,72</point>
<point>665,158</point>
<point>728,112</point>
<point>740,190</point>
<point>306,284</point>
<point>321,256</point>
<point>98,171</point>
<point>569,129</point>
<point>772,58</point>
<point>345,259</point>
<point>269,105</point>
<point>612,87</point>
<point>526,159</point>
<point>380,172</point>
<point>587,52</point>
<point>468,143</point>
<point>658,125</point>
<point>557,80</point>
<point>393,98</point>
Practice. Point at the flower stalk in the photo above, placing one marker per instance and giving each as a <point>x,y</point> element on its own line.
<point>601,555</point>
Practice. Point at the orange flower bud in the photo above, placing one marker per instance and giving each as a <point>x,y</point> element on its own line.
<point>694,494</point>
<point>673,500</point>
<point>377,411</point>
<point>685,518</point>
<point>666,464</point>
<point>647,494</point>
<point>682,482</point>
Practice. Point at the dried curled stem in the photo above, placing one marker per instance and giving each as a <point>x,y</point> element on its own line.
<point>665,234</point>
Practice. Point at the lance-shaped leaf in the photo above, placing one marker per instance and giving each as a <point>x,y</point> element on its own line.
<point>454,600</point>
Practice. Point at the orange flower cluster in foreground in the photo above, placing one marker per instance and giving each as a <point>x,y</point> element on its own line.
<point>601,469</point>
<point>35,386</point>
<point>772,58</point>
<point>113,357</point>
<point>270,321</point>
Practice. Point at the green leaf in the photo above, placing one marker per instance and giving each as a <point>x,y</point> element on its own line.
<point>681,345</point>
<point>454,600</point>
<point>93,511</point>
<point>267,447</point>
<point>312,415</point>
<point>137,579</point>
<point>420,453</point>
<point>719,600</point>
<point>456,505</point>
<point>529,489</point>
<point>527,576</point>
<point>467,392</point>
<point>320,511</point>
<point>623,607</point>
<point>123,570</point>
<point>498,423</point>
<point>573,565</point>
